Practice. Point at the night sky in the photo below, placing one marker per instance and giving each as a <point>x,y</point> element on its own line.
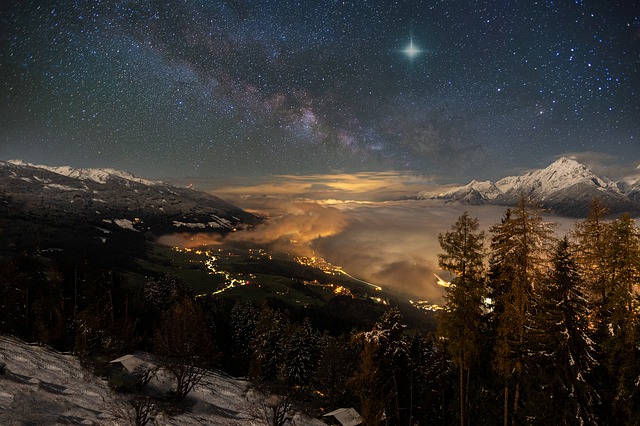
<point>456,89</point>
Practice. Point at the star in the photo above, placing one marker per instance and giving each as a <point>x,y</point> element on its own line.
<point>411,51</point>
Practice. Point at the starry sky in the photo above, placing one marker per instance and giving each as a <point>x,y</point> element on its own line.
<point>450,88</point>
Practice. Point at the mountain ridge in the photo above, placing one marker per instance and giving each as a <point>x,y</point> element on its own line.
<point>565,186</point>
<point>65,194</point>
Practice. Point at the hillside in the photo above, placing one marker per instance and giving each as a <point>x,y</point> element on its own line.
<point>63,195</point>
<point>41,386</point>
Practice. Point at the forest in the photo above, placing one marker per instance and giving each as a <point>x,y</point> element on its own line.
<point>537,329</point>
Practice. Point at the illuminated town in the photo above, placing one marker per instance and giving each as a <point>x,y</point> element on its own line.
<point>211,257</point>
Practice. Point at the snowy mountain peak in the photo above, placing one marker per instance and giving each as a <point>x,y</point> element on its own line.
<point>475,192</point>
<point>565,186</point>
<point>561,174</point>
<point>96,175</point>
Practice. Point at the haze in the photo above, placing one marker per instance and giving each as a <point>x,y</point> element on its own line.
<point>363,225</point>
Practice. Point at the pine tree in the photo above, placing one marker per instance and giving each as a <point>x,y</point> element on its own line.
<point>431,382</point>
<point>592,240</point>
<point>381,380</point>
<point>161,294</point>
<point>338,361</point>
<point>564,351</point>
<point>461,323</point>
<point>609,258</point>
<point>300,354</point>
<point>621,352</point>
<point>520,251</point>
<point>266,344</point>
<point>243,319</point>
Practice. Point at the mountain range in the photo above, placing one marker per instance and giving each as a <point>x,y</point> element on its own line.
<point>565,187</point>
<point>64,195</point>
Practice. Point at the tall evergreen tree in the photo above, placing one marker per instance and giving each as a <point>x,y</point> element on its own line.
<point>609,258</point>
<point>300,354</point>
<point>592,240</point>
<point>266,344</point>
<point>461,323</point>
<point>520,249</point>
<point>620,344</point>
<point>338,361</point>
<point>432,382</point>
<point>243,319</point>
<point>564,351</point>
<point>381,380</point>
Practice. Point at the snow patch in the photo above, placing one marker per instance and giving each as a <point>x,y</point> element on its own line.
<point>122,223</point>
<point>96,175</point>
<point>62,187</point>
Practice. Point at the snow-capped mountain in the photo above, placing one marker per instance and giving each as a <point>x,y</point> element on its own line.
<point>65,194</point>
<point>631,186</point>
<point>96,175</point>
<point>566,186</point>
<point>473,193</point>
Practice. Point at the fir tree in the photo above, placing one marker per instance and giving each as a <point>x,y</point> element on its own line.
<point>266,344</point>
<point>432,381</point>
<point>621,352</point>
<point>520,250</point>
<point>338,361</point>
<point>592,240</point>
<point>300,354</point>
<point>243,319</point>
<point>381,380</point>
<point>461,323</point>
<point>562,347</point>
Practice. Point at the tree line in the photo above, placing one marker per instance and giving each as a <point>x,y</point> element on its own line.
<point>547,325</point>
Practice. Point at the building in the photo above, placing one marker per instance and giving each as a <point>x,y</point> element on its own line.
<point>344,417</point>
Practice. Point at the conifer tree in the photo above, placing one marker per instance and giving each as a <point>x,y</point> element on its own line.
<point>609,259</point>
<point>300,354</point>
<point>591,240</point>
<point>520,250</point>
<point>621,351</point>
<point>432,381</point>
<point>564,351</point>
<point>461,323</point>
<point>243,319</point>
<point>380,381</point>
<point>266,344</point>
<point>338,361</point>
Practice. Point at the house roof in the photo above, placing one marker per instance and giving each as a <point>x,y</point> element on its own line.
<point>134,363</point>
<point>346,416</point>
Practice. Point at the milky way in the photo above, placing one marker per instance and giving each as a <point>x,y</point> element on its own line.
<point>215,88</point>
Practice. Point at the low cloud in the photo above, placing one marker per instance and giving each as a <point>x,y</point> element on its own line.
<point>389,243</point>
<point>364,186</point>
<point>293,229</point>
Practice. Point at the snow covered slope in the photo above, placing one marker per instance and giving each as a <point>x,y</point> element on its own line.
<point>59,194</point>
<point>473,193</point>
<point>96,175</point>
<point>560,175</point>
<point>565,186</point>
<point>44,387</point>
<point>631,185</point>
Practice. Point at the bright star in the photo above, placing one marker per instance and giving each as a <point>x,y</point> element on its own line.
<point>411,50</point>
